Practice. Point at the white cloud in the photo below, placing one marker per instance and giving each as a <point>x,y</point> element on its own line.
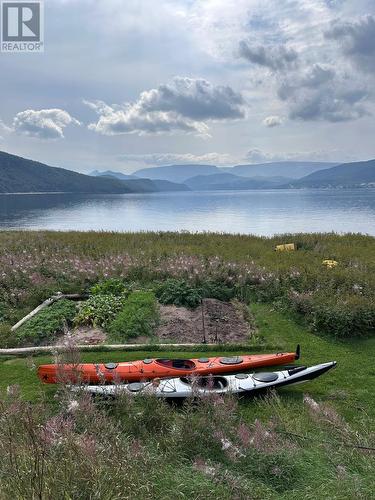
<point>259,156</point>
<point>132,119</point>
<point>4,127</point>
<point>272,121</point>
<point>182,105</point>
<point>175,158</point>
<point>44,123</point>
<point>141,43</point>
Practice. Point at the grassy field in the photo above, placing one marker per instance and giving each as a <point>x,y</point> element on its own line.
<point>299,450</point>
<point>309,441</point>
<point>340,301</point>
<point>348,385</point>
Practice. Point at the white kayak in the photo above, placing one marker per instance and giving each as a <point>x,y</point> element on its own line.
<point>241,383</point>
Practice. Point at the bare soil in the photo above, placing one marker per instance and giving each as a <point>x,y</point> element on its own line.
<point>220,322</point>
<point>224,322</point>
<point>86,335</point>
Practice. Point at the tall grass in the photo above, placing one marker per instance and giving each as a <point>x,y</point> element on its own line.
<point>140,447</point>
<point>340,301</point>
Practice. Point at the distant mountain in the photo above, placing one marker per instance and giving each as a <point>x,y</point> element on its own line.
<point>156,186</point>
<point>150,186</point>
<point>211,181</point>
<point>111,173</point>
<point>356,174</point>
<point>182,173</point>
<point>19,175</point>
<point>162,185</point>
<point>226,181</point>
<point>291,169</point>
<point>176,173</point>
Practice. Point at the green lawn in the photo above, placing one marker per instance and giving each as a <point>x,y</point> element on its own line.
<point>302,453</point>
<point>349,385</point>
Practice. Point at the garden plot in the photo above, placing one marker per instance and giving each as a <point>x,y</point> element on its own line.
<point>224,322</point>
<point>220,322</point>
<point>85,335</point>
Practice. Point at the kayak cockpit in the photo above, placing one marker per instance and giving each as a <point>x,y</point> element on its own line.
<point>177,364</point>
<point>209,383</point>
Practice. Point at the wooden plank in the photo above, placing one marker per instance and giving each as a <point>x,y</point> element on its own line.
<point>46,303</point>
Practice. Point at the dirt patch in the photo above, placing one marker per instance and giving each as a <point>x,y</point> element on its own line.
<point>223,322</point>
<point>86,335</point>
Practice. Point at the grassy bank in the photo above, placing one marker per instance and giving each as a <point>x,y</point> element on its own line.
<point>339,301</point>
<point>347,385</point>
<point>308,442</point>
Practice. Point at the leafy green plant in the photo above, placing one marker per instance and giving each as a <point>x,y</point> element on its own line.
<point>217,290</point>
<point>47,323</point>
<point>139,316</point>
<point>112,286</point>
<point>99,310</point>
<point>183,293</point>
<point>179,293</point>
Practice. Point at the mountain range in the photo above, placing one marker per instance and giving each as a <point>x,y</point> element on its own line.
<point>356,174</point>
<point>20,175</point>
<point>226,181</point>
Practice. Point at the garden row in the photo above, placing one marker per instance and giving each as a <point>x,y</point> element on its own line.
<point>116,307</point>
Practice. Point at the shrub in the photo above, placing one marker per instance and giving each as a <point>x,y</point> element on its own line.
<point>343,317</point>
<point>3,312</point>
<point>182,293</point>
<point>111,286</point>
<point>139,316</point>
<point>47,323</point>
<point>217,290</point>
<point>99,310</point>
<point>179,293</point>
<point>6,336</point>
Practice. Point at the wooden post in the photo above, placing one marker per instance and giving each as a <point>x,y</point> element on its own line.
<point>203,325</point>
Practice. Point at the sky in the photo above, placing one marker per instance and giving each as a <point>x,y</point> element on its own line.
<point>127,84</point>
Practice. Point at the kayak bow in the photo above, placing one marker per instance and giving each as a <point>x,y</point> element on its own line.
<point>148,369</point>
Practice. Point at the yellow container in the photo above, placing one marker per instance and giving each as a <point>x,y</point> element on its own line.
<point>287,247</point>
<point>329,263</point>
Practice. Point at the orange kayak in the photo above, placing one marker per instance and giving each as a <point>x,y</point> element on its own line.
<point>148,369</point>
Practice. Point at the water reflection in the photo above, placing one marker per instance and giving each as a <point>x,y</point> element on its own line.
<point>258,212</point>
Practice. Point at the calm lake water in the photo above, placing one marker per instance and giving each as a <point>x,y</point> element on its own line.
<point>256,212</point>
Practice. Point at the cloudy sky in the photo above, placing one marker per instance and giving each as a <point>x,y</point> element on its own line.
<point>124,84</point>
